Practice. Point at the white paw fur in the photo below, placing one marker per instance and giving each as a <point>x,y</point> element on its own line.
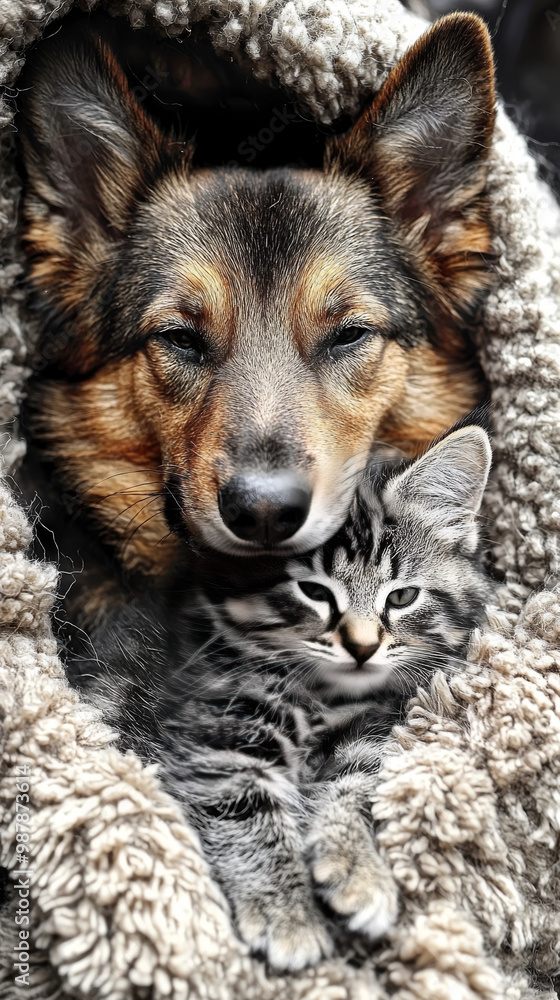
<point>290,934</point>
<point>352,878</point>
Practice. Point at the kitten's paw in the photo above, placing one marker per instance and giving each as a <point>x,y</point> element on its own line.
<point>352,878</point>
<point>291,937</point>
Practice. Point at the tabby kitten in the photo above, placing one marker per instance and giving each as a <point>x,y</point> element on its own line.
<point>268,710</point>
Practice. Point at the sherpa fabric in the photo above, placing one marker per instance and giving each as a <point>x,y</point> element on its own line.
<point>468,804</point>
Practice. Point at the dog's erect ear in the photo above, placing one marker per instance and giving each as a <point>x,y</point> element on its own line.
<point>88,147</point>
<point>423,143</point>
<point>90,154</point>
<point>444,487</point>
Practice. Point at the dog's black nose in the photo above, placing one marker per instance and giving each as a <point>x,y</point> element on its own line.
<point>265,509</point>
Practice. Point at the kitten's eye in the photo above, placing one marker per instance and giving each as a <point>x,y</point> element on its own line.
<point>315,591</point>
<point>348,336</point>
<point>189,342</point>
<point>402,598</point>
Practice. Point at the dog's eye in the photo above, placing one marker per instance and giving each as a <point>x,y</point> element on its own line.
<point>347,336</point>
<point>187,341</point>
<point>316,591</point>
<point>402,598</point>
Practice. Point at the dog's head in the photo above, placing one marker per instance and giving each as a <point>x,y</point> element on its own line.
<point>239,339</point>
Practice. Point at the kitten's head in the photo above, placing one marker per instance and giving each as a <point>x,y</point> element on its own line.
<point>397,592</point>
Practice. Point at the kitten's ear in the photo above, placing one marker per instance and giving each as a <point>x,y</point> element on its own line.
<point>88,148</point>
<point>444,487</point>
<point>423,145</point>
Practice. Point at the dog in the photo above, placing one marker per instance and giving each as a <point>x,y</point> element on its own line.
<point>221,348</point>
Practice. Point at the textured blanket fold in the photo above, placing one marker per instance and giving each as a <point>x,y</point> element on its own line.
<point>120,902</point>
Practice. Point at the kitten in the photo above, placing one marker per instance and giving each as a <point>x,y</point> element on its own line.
<point>269,710</point>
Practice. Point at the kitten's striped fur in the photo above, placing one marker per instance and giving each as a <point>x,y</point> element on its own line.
<point>269,710</point>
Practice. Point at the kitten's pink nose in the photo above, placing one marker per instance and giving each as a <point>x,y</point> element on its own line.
<point>360,653</point>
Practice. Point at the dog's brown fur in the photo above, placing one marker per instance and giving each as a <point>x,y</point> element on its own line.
<point>128,242</point>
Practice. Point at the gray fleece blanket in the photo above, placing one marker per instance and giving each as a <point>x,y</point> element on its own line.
<point>118,897</point>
